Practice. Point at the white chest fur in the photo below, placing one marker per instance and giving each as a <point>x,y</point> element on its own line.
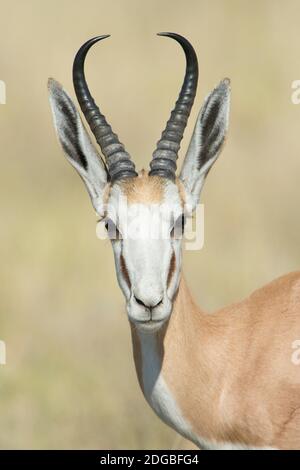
<point>156,390</point>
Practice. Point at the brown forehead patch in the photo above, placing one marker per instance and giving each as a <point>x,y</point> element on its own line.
<point>144,189</point>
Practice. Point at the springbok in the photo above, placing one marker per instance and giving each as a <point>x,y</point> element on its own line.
<point>225,380</point>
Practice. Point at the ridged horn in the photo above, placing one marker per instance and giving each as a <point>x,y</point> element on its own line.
<point>117,159</point>
<point>164,158</point>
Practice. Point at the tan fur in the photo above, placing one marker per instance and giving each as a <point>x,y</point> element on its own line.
<point>144,189</point>
<point>231,372</point>
<point>147,189</point>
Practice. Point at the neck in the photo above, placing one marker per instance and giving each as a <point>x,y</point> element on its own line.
<point>209,376</point>
<point>174,361</point>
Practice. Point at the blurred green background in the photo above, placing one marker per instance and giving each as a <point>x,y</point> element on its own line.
<point>70,381</point>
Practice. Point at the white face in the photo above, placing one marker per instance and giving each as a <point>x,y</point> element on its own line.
<point>148,265</point>
<point>146,238</point>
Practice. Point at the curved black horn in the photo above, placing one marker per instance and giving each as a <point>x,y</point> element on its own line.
<point>118,160</point>
<point>166,153</point>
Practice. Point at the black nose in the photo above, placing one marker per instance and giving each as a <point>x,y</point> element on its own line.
<point>140,302</point>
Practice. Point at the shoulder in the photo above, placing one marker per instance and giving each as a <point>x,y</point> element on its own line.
<point>281,295</point>
<point>280,287</point>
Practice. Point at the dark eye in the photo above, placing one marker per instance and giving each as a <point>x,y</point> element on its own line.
<point>112,230</point>
<point>178,228</point>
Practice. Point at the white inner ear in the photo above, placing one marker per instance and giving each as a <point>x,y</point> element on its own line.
<point>74,140</point>
<point>95,177</point>
<point>207,139</point>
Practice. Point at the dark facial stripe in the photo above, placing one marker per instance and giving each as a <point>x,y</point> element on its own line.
<point>125,270</point>
<point>171,268</point>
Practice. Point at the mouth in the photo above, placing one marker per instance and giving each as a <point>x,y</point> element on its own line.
<point>148,325</point>
<point>149,319</point>
<point>149,322</point>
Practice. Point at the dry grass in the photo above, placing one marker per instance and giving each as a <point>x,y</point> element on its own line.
<point>70,381</point>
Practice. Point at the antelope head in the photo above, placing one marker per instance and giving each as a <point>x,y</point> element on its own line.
<point>144,214</point>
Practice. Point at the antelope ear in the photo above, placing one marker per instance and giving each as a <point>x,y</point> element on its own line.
<point>207,140</point>
<point>77,144</point>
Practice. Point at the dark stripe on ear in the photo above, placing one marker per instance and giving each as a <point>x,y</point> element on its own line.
<point>79,155</point>
<point>210,120</point>
<point>212,132</point>
<point>70,138</point>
